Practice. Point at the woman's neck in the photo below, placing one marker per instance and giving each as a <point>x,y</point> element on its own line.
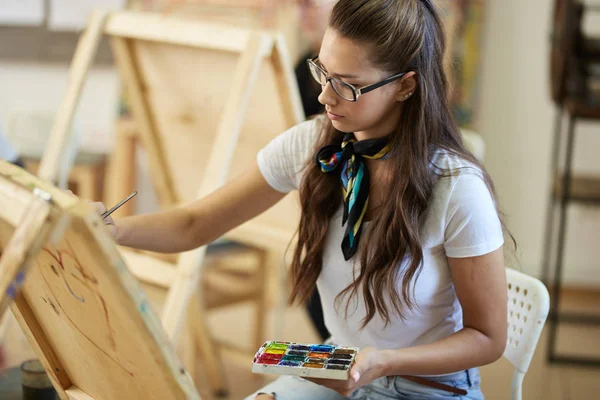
<point>383,128</point>
<point>364,135</point>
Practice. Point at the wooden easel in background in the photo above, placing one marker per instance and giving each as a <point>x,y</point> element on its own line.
<point>272,15</point>
<point>80,307</point>
<point>181,80</point>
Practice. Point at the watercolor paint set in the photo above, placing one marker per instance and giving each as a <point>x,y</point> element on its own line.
<point>309,360</point>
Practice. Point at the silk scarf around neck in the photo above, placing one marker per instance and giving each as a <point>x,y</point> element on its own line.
<point>355,181</point>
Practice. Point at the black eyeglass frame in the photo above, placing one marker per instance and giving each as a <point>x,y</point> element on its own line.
<point>357,92</point>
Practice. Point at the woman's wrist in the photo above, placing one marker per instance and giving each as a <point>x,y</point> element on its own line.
<point>388,362</point>
<point>119,232</point>
<point>383,363</point>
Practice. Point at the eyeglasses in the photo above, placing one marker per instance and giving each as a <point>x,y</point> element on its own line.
<point>345,90</point>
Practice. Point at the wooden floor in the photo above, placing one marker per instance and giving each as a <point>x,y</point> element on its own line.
<point>541,382</point>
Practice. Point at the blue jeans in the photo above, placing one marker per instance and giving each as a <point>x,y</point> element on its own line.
<point>386,388</point>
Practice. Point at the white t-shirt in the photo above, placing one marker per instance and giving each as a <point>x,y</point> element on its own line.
<point>460,221</point>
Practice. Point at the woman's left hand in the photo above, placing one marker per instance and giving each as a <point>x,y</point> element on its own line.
<point>366,368</point>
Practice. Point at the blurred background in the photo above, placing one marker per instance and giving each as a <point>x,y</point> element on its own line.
<point>523,74</point>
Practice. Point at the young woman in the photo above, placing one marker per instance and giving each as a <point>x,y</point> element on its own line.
<point>399,232</point>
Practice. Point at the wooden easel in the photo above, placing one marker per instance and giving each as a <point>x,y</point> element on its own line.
<point>182,81</point>
<point>226,106</point>
<point>33,224</point>
<point>33,227</point>
<point>80,307</point>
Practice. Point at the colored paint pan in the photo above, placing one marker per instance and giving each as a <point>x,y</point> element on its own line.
<point>308,360</point>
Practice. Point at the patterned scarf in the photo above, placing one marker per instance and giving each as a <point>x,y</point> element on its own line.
<point>355,181</point>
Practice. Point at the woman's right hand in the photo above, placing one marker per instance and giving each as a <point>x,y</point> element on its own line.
<point>100,208</point>
<point>108,221</point>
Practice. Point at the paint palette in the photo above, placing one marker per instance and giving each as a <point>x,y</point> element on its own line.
<point>309,360</point>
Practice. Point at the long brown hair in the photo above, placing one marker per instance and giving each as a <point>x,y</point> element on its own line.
<point>402,35</point>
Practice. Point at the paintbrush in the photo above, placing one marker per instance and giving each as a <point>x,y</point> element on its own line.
<point>115,208</point>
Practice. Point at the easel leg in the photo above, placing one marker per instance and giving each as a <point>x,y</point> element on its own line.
<point>278,291</point>
<point>208,348</point>
<point>262,300</point>
<point>187,351</point>
<point>121,177</point>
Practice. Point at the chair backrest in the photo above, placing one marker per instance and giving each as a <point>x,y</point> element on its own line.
<point>528,305</point>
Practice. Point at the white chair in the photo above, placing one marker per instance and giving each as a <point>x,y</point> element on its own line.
<point>528,305</point>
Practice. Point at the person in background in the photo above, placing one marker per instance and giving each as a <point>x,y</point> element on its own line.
<point>313,18</point>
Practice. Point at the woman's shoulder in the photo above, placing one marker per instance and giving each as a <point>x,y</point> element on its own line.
<point>283,159</point>
<point>450,166</point>
<point>458,176</point>
<point>306,131</point>
<point>298,142</point>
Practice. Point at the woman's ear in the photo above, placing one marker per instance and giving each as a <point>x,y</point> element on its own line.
<point>408,85</point>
